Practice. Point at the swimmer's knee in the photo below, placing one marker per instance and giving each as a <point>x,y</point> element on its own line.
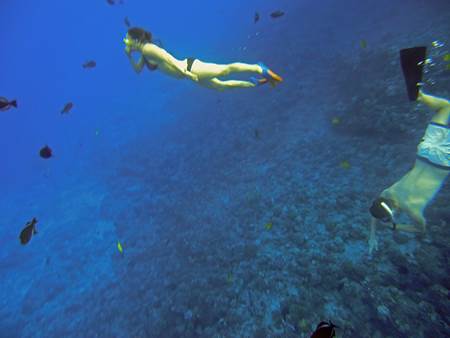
<point>231,68</point>
<point>226,70</point>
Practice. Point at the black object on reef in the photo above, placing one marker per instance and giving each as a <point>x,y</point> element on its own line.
<point>324,330</point>
<point>412,61</point>
<point>378,211</point>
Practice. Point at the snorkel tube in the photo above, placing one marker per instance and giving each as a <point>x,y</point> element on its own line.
<point>390,212</point>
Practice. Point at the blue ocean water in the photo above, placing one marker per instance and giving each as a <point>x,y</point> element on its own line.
<point>240,213</point>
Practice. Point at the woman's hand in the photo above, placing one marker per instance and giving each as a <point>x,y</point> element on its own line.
<point>128,51</point>
<point>192,76</point>
<point>373,244</point>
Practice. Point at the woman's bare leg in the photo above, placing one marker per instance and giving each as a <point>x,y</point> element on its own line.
<point>228,84</point>
<point>207,70</point>
<point>239,67</point>
<point>268,74</point>
<point>439,105</point>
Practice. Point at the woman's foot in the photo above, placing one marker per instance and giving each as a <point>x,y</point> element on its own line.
<point>270,75</point>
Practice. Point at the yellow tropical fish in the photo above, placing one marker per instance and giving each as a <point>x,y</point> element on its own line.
<point>229,278</point>
<point>268,226</point>
<point>447,57</point>
<point>335,121</point>
<point>303,324</point>
<point>363,44</point>
<point>119,247</point>
<point>345,164</point>
<point>448,67</point>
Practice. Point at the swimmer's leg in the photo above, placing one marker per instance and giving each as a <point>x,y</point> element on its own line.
<point>208,70</point>
<point>260,68</point>
<point>439,105</point>
<point>239,67</point>
<point>228,84</point>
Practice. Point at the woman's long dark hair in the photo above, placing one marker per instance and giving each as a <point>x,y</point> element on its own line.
<point>139,34</point>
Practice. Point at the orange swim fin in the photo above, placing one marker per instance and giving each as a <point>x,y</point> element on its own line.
<point>270,75</point>
<point>258,82</point>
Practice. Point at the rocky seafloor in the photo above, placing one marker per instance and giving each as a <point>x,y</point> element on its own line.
<point>248,216</point>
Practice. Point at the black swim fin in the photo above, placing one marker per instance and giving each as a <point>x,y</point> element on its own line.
<point>412,60</point>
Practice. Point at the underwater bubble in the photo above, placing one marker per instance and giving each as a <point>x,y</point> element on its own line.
<point>437,44</point>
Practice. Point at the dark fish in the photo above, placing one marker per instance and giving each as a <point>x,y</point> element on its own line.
<point>110,2</point>
<point>324,330</point>
<point>256,19</point>
<point>28,231</point>
<point>257,135</point>
<point>67,108</point>
<point>127,22</point>
<point>45,152</point>
<point>276,14</point>
<point>5,104</point>
<point>89,64</point>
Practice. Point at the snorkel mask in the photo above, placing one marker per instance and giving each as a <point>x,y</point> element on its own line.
<point>127,44</point>
<point>381,210</point>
